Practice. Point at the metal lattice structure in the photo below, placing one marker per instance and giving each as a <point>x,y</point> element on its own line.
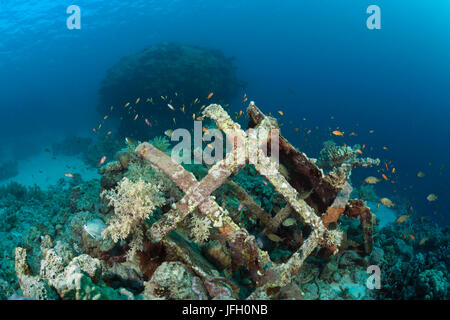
<point>197,195</point>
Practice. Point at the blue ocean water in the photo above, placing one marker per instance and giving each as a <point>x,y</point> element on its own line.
<point>312,59</point>
<point>316,61</point>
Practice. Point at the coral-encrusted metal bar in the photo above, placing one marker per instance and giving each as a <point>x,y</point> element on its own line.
<point>185,181</point>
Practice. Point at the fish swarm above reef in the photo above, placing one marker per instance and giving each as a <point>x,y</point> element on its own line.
<point>182,73</point>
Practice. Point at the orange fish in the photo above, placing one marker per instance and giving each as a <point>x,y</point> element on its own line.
<point>281,112</point>
<point>364,146</point>
<point>338,133</point>
<point>386,166</point>
<point>384,177</point>
<point>412,237</point>
<point>144,152</point>
<point>205,130</point>
<point>210,95</point>
<point>359,151</point>
<point>102,161</point>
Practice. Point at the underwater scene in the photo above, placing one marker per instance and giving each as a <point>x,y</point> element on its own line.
<point>224,150</point>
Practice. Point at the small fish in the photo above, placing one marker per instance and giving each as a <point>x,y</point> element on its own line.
<point>371,131</point>
<point>174,120</point>
<point>244,100</point>
<point>135,117</point>
<point>95,130</point>
<point>182,109</point>
<point>364,146</point>
<point>100,126</point>
<point>170,107</point>
<point>385,148</point>
<point>193,116</point>
<point>359,151</point>
<point>210,95</point>
<point>68,175</point>
<point>240,114</point>
<point>137,100</point>
<point>127,104</point>
<point>384,177</point>
<point>371,180</point>
<point>402,219</point>
<point>129,141</point>
<point>338,133</point>
<point>196,100</point>
<point>200,118</point>
<point>205,130</point>
<point>432,197</point>
<point>422,241</point>
<point>102,161</point>
<point>240,207</point>
<point>46,150</point>
<point>105,117</point>
<point>274,237</point>
<point>108,133</point>
<point>378,205</point>
<point>393,170</point>
<point>202,107</point>
<point>281,112</point>
<point>412,237</point>
<point>288,222</point>
<point>168,133</point>
<point>111,108</point>
<point>387,202</point>
<point>308,132</point>
<point>210,146</point>
<point>420,174</point>
<point>148,122</point>
<point>144,152</point>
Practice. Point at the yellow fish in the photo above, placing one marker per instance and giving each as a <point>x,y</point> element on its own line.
<point>135,118</point>
<point>193,116</point>
<point>421,242</point>
<point>127,104</point>
<point>137,100</point>
<point>420,174</point>
<point>168,133</point>
<point>210,95</point>
<point>371,180</point>
<point>281,112</point>
<point>105,117</point>
<point>387,202</point>
<point>432,197</point>
<point>274,237</point>
<point>288,222</point>
<point>402,219</point>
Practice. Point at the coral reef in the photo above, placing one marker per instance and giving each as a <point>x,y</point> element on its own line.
<point>172,74</point>
<point>153,229</point>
